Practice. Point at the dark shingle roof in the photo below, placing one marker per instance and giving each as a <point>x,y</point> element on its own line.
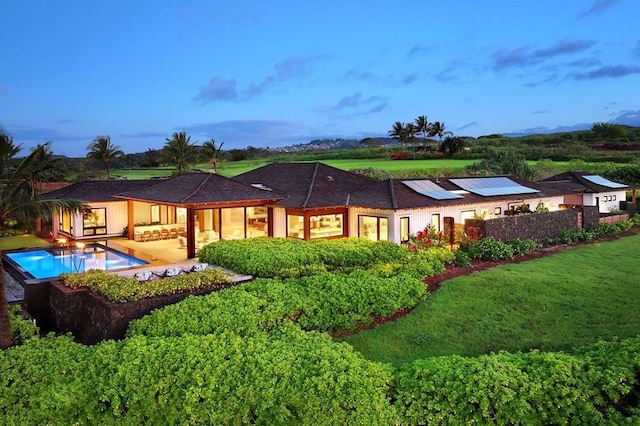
<point>95,190</point>
<point>308,185</point>
<point>199,188</point>
<point>578,181</point>
<point>394,194</point>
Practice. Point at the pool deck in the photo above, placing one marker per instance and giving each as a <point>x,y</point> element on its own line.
<point>160,256</point>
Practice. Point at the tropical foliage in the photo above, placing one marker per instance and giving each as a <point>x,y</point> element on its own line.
<point>179,151</point>
<point>103,150</point>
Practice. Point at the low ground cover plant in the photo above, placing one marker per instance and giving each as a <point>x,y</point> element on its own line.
<point>22,329</point>
<point>288,257</point>
<point>121,289</point>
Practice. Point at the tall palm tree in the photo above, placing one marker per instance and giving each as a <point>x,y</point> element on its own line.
<point>404,133</point>
<point>102,149</point>
<point>180,151</point>
<point>211,153</point>
<point>8,150</point>
<point>423,127</point>
<point>438,129</point>
<point>20,202</point>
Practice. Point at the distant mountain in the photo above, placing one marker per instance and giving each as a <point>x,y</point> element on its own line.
<point>329,144</point>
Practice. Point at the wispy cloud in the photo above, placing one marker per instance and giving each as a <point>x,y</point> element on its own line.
<point>467,126</point>
<point>542,111</point>
<point>241,133</point>
<point>585,63</point>
<point>628,117</point>
<point>371,104</point>
<point>221,89</point>
<point>218,89</point>
<point>526,56</point>
<point>597,7</point>
<point>409,78</point>
<point>611,71</point>
<point>635,52</point>
<point>419,49</point>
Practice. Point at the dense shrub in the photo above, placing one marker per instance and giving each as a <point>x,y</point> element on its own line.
<point>599,385</point>
<point>489,248</point>
<point>22,329</point>
<point>321,302</point>
<point>521,247</point>
<point>120,289</point>
<point>280,257</point>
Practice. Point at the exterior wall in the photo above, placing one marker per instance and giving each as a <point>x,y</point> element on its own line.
<point>354,212</point>
<point>116,220</point>
<point>279,222</point>
<point>606,201</point>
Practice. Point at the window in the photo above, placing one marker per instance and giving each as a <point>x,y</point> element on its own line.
<point>404,229</point>
<point>94,222</point>
<point>295,226</point>
<point>66,222</point>
<point>323,226</point>
<point>256,221</point>
<point>233,221</point>
<point>155,214</point>
<point>497,211</point>
<point>375,228</point>
<point>467,214</point>
<point>435,222</point>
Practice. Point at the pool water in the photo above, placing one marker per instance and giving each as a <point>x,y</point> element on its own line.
<point>48,263</point>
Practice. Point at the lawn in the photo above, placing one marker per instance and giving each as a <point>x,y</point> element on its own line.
<point>554,303</point>
<point>20,241</point>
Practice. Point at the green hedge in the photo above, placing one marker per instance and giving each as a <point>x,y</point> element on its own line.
<point>280,257</point>
<point>324,302</point>
<point>285,377</point>
<point>21,328</point>
<point>120,289</point>
<point>598,385</point>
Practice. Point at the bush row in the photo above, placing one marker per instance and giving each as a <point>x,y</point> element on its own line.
<point>323,302</point>
<point>284,377</point>
<point>21,328</point>
<point>120,289</point>
<point>279,257</point>
<point>599,385</point>
<point>289,376</point>
<point>603,230</point>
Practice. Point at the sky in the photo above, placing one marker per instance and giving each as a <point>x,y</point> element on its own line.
<point>274,73</point>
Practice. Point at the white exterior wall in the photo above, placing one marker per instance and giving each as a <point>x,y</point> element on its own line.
<point>607,201</point>
<point>116,219</point>
<point>279,222</point>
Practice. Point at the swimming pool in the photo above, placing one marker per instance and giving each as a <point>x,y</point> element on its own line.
<point>51,262</point>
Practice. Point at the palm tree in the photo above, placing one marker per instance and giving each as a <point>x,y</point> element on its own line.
<point>423,127</point>
<point>211,153</point>
<point>404,133</point>
<point>20,202</point>
<point>180,151</point>
<point>102,149</point>
<point>8,150</point>
<point>438,129</point>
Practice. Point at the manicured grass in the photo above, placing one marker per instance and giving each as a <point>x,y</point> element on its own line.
<point>20,241</point>
<point>134,174</point>
<point>554,303</point>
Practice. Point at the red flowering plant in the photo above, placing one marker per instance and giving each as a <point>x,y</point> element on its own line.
<point>468,237</point>
<point>427,238</point>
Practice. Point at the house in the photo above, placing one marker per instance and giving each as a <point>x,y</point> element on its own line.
<point>307,201</point>
<point>592,190</point>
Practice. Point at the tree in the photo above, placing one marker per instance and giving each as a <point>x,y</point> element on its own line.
<point>438,129</point>
<point>608,130</point>
<point>404,133</point>
<point>451,146</point>
<point>20,202</point>
<point>423,127</point>
<point>211,153</point>
<point>102,149</point>
<point>8,150</point>
<point>180,151</point>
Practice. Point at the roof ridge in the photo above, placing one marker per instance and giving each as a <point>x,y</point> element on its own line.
<point>392,192</point>
<point>205,180</point>
<point>313,180</point>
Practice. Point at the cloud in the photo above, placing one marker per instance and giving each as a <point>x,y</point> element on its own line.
<point>635,52</point>
<point>585,63</point>
<point>526,56</point>
<point>466,126</point>
<point>542,111</point>
<point>597,7</point>
<point>356,100</point>
<point>218,89</point>
<point>628,117</point>
<point>418,50</point>
<point>145,135</point>
<point>610,71</point>
<point>408,79</point>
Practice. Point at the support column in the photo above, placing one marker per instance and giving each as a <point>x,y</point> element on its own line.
<point>191,234</point>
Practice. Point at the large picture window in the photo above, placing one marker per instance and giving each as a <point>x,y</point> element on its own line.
<point>295,226</point>
<point>95,222</point>
<point>323,226</point>
<point>373,228</point>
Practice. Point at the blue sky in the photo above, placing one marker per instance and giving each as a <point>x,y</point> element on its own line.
<point>273,73</point>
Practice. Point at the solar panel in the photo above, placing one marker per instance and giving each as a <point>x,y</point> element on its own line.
<point>430,189</point>
<point>599,180</point>
<point>492,186</point>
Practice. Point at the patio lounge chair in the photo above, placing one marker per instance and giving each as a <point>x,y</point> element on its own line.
<point>143,276</point>
<point>170,272</point>
<point>198,267</point>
